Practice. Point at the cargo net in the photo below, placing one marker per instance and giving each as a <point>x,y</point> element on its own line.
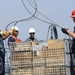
<point>38,59</point>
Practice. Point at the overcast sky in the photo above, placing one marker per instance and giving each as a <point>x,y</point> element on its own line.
<point>57,10</point>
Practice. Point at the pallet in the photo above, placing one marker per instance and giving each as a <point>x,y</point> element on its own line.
<point>47,61</point>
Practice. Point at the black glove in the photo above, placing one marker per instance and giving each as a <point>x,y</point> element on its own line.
<point>64,30</point>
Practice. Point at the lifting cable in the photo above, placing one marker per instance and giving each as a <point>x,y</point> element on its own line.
<point>35,16</point>
<point>44,15</point>
<point>27,19</point>
<point>28,11</point>
<point>39,11</point>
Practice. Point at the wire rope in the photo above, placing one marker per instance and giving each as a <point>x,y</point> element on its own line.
<point>23,19</point>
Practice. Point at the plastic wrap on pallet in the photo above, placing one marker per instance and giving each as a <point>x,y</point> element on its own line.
<point>38,48</point>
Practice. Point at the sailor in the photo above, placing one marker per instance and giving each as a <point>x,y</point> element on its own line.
<point>72,34</point>
<point>14,35</point>
<point>32,36</point>
<point>67,31</point>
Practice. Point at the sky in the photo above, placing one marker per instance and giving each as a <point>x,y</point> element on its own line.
<point>58,11</point>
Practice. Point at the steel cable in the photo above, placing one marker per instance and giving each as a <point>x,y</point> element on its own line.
<point>43,15</point>
<point>27,19</point>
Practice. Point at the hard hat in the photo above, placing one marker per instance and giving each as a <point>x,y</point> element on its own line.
<point>73,14</point>
<point>16,28</point>
<point>31,30</point>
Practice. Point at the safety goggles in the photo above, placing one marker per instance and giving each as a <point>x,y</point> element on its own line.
<point>32,33</point>
<point>16,31</point>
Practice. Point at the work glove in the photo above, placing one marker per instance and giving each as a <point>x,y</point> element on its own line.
<point>64,30</point>
<point>11,31</point>
<point>4,32</point>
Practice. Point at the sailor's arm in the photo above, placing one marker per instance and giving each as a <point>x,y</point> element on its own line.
<point>71,33</point>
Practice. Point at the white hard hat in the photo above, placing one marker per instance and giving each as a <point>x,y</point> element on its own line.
<point>31,30</point>
<point>16,28</point>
